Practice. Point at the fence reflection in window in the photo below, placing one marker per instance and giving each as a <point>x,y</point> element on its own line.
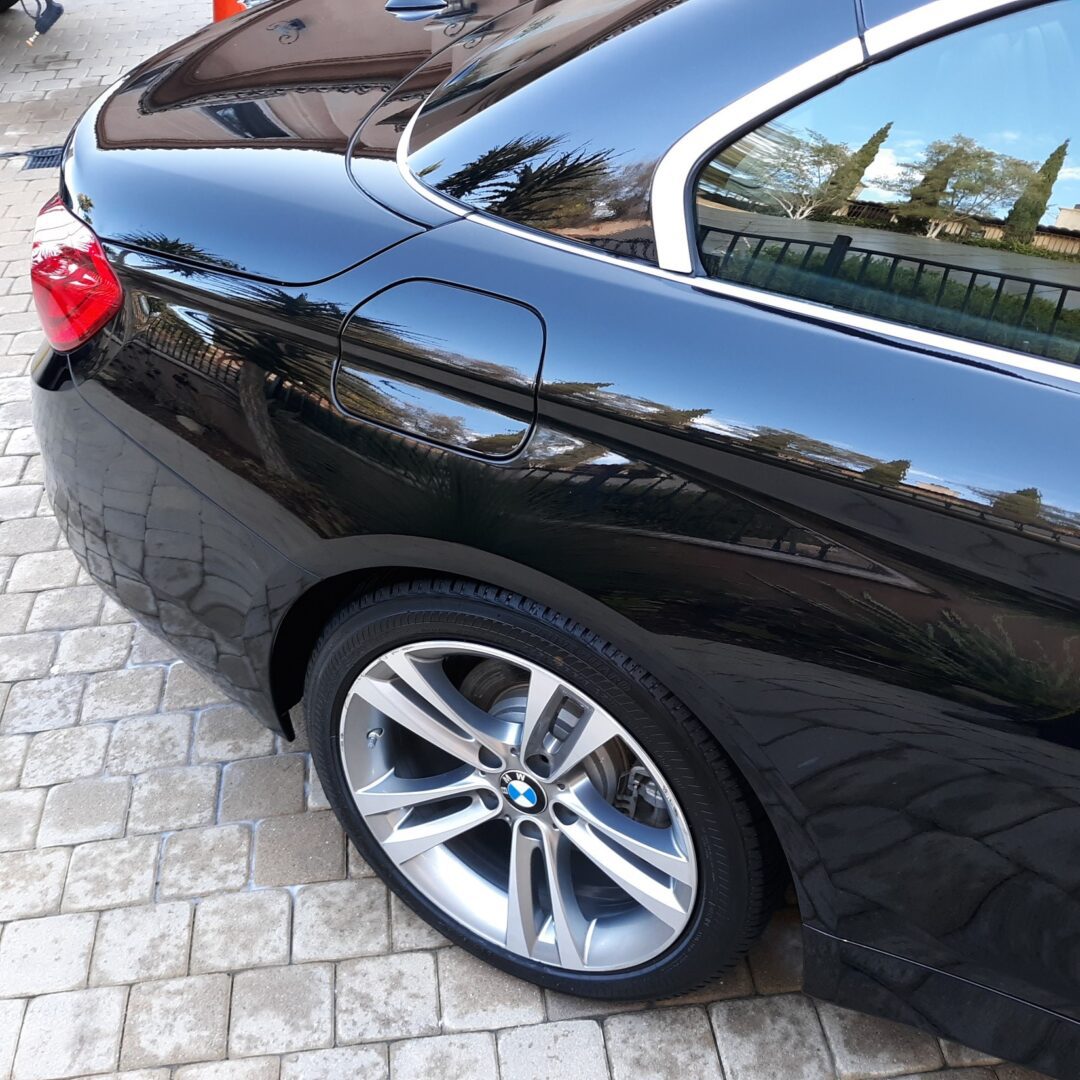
<point>938,189</point>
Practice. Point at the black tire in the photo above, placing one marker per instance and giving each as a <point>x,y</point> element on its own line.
<point>740,867</point>
<point>7,5</point>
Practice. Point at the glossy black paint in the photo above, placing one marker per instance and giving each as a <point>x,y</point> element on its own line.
<point>893,666</point>
<point>455,366</point>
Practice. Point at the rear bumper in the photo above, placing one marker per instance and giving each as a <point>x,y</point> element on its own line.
<point>185,568</point>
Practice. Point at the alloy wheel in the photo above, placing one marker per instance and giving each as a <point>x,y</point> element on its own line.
<point>518,805</point>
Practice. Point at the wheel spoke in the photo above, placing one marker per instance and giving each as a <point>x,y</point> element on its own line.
<point>571,927</point>
<point>657,847</point>
<point>393,792</point>
<point>419,718</point>
<point>590,733</point>
<point>429,683</point>
<point>656,892</point>
<point>522,918</point>
<point>545,694</point>
<point>407,840</point>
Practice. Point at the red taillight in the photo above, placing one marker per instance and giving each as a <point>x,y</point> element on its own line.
<point>75,290</point>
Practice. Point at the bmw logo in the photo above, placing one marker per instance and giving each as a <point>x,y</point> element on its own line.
<point>522,793</point>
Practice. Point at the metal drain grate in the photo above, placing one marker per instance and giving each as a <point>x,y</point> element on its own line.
<point>45,157</point>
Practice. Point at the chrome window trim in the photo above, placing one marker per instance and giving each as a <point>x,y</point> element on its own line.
<point>401,156</point>
<point>670,195</point>
<point>934,18</point>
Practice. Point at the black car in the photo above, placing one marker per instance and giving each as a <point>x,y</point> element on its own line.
<point>645,437</point>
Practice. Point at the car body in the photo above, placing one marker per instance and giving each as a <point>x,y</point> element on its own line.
<point>850,544</point>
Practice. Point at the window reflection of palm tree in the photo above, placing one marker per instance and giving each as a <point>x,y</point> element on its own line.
<point>530,180</point>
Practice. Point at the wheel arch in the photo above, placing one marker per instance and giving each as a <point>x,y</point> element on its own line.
<point>348,568</point>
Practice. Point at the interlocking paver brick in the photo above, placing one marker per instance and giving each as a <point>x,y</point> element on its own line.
<point>11,468</point>
<point>93,648</point>
<point>43,704</point>
<point>19,502</point>
<point>11,1016</point>
<point>228,732</point>
<point>112,695</point>
<point>84,810</point>
<point>13,750</point>
<point>263,787</point>
<point>208,860</point>
<point>867,1047</point>
<point>137,944</point>
<point>298,849</point>
<point>148,648</point>
<point>476,995</point>
<point>387,997</point>
<point>65,754</point>
<point>568,1007</point>
<point>14,611</point>
<point>111,873</point>
<point>733,984</point>
<point>357,866</point>
<point>963,1056</point>
<point>355,1062</point>
<point>20,812</point>
<point>23,440</point>
<point>70,1034</point>
<point>760,1038</point>
<point>552,1051</point>
<point>179,798</point>
<point>33,882</point>
<point>970,1074</point>
<point>279,1010</point>
<point>316,796</point>
<point>42,570</point>
<point>26,656</point>
<point>187,689</point>
<point>174,1021</point>
<point>341,919</point>
<point>45,956</point>
<point>664,1042</point>
<point>408,930</point>
<point>149,742</point>
<point>450,1057</point>
<point>241,930</point>
<point>65,609</point>
<point>113,612</point>
<point>26,535</point>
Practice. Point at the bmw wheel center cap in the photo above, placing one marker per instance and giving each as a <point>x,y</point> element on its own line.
<point>522,793</point>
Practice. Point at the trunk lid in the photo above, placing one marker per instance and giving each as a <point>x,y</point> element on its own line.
<point>227,150</point>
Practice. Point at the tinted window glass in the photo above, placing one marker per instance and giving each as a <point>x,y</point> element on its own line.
<point>939,189</point>
<point>558,125</point>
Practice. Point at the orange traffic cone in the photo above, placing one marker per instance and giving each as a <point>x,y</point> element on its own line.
<point>223,9</point>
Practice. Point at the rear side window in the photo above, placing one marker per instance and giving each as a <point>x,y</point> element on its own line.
<point>939,189</point>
